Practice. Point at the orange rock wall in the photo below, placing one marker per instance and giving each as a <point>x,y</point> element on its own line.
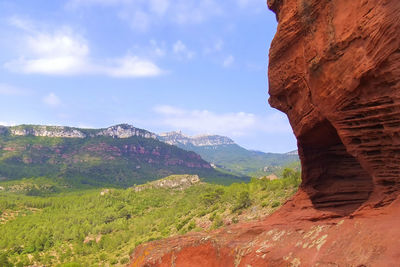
<point>335,71</point>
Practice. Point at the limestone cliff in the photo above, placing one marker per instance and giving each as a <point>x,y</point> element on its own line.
<point>335,71</point>
<point>177,138</point>
<point>117,131</point>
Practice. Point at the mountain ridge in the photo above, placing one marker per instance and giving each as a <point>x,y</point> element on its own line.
<point>222,152</point>
<point>176,137</point>
<point>120,155</point>
<point>116,131</point>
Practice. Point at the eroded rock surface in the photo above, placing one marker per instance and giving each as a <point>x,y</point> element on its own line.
<point>335,71</point>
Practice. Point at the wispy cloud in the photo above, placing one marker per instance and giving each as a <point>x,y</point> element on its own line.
<point>52,100</point>
<point>142,14</point>
<point>10,90</point>
<point>254,5</point>
<point>228,61</point>
<point>214,47</point>
<point>181,50</point>
<point>230,124</point>
<point>64,52</point>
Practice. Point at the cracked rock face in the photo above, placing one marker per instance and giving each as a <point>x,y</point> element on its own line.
<point>335,71</point>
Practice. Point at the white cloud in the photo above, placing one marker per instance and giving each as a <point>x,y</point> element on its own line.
<point>132,66</point>
<point>9,90</point>
<point>64,52</point>
<point>142,14</point>
<point>169,110</point>
<point>78,3</point>
<point>138,19</point>
<point>195,11</point>
<point>52,100</point>
<point>159,7</point>
<point>157,50</point>
<point>215,47</point>
<point>228,61</point>
<point>230,124</point>
<point>253,4</point>
<point>181,50</point>
<point>21,23</point>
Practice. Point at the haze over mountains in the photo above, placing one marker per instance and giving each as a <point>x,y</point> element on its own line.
<point>224,153</point>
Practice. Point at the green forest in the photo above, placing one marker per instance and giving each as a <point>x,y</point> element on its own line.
<point>46,224</point>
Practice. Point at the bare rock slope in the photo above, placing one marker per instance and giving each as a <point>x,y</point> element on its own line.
<point>335,71</point>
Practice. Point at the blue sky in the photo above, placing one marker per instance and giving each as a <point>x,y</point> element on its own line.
<point>199,66</point>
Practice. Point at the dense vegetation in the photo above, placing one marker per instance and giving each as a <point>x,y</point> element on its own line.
<point>238,160</point>
<point>44,226</point>
<point>100,161</point>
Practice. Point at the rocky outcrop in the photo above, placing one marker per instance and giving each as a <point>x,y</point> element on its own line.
<point>125,131</point>
<point>178,182</point>
<point>177,138</point>
<point>117,131</point>
<point>335,71</point>
<point>47,131</point>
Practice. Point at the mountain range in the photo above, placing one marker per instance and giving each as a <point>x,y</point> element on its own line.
<point>120,155</point>
<point>222,152</point>
<point>123,155</point>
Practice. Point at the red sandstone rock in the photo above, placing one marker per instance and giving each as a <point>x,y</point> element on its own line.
<point>335,71</point>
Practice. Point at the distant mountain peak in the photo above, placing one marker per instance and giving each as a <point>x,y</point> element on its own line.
<point>177,137</point>
<point>173,134</point>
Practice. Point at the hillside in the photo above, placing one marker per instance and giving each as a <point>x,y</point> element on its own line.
<point>101,227</point>
<point>120,155</point>
<point>224,153</point>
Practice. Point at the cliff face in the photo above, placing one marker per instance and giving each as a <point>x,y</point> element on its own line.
<point>335,71</point>
<point>177,138</point>
<point>117,131</point>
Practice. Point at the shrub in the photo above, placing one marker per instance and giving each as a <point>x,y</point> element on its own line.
<point>275,204</point>
<point>217,222</point>
<point>212,197</point>
<point>235,220</point>
<point>124,260</point>
<point>4,260</point>
<point>242,202</point>
<point>191,225</point>
<point>71,264</point>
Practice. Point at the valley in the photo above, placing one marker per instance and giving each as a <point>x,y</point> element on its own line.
<point>92,227</point>
<point>119,156</point>
<point>226,155</point>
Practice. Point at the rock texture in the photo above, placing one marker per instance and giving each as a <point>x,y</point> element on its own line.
<point>335,71</point>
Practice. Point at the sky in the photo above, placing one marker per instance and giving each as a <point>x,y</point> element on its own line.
<point>199,66</point>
